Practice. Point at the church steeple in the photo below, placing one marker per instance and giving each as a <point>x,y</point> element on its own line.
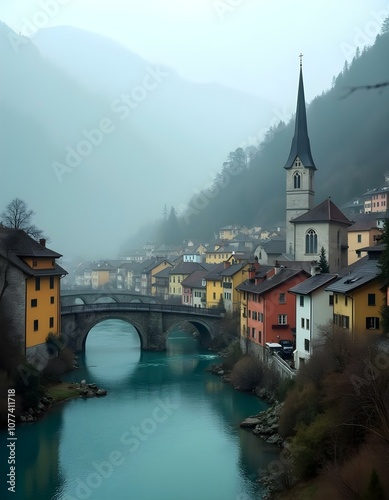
<point>301,147</point>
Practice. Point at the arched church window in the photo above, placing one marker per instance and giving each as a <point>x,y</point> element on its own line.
<point>311,241</point>
<point>297,180</point>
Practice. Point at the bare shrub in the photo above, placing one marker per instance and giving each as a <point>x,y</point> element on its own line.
<point>247,373</point>
<point>300,407</point>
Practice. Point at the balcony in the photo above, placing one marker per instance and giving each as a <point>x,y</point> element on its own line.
<point>227,285</point>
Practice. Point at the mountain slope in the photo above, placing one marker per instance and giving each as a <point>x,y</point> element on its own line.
<point>349,139</point>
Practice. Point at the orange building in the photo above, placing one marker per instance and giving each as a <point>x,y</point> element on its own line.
<point>30,291</point>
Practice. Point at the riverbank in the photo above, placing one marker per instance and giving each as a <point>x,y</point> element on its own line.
<point>58,392</point>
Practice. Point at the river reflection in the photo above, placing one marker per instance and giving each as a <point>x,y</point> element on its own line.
<point>167,430</point>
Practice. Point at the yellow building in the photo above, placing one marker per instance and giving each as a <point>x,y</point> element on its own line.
<point>228,232</point>
<point>232,276</point>
<point>177,275</point>
<point>102,275</point>
<point>150,268</point>
<point>213,286</point>
<point>30,290</point>
<point>362,233</point>
<point>358,296</point>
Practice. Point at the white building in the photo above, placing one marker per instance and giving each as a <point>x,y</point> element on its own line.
<point>313,309</point>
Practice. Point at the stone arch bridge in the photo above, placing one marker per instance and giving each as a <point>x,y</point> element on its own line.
<point>152,321</point>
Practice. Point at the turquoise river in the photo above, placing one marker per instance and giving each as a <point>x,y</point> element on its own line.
<point>167,430</point>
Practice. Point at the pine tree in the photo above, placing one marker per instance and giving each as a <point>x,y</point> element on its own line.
<point>385,26</point>
<point>323,263</point>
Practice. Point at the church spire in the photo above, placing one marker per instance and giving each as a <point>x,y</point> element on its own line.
<point>301,147</point>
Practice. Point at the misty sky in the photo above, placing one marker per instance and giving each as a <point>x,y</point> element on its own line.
<point>248,44</point>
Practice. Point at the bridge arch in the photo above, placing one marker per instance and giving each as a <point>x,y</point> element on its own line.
<point>106,299</point>
<point>203,329</point>
<point>98,320</point>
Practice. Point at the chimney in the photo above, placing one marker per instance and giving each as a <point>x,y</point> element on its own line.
<point>251,273</point>
<point>226,264</point>
<point>256,263</point>
<point>42,242</point>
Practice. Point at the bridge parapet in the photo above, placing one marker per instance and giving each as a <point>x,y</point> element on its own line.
<point>153,322</point>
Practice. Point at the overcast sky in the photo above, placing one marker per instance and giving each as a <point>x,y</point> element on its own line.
<point>249,44</point>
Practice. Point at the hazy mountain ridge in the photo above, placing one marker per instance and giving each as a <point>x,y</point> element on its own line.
<point>171,144</point>
<point>349,139</point>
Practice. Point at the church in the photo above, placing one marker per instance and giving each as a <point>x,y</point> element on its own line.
<point>310,228</point>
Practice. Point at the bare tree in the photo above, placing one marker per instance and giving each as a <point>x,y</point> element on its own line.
<point>17,215</point>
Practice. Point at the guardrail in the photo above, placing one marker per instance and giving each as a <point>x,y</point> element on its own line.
<point>141,306</point>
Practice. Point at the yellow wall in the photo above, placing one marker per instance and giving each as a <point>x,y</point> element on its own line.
<point>40,263</point>
<point>367,239</point>
<point>237,279</point>
<point>44,309</point>
<point>99,278</point>
<point>155,271</point>
<point>217,257</point>
<point>213,287</point>
<point>358,309</point>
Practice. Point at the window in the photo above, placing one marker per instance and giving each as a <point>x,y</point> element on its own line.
<point>372,323</point>
<point>244,312</point>
<point>307,324</point>
<point>359,238</point>
<point>345,300</point>
<point>281,298</point>
<point>253,333</point>
<point>51,282</point>
<point>336,319</point>
<point>260,317</point>
<point>310,241</point>
<point>302,323</point>
<point>336,298</point>
<point>301,300</point>
<point>371,299</point>
<point>260,337</point>
<point>296,180</point>
<point>51,322</point>
<point>249,314</point>
<point>34,263</point>
<point>36,325</point>
<point>34,302</point>
<point>345,321</point>
<point>214,295</point>
<point>331,300</point>
<point>306,344</point>
<point>37,284</point>
<point>282,319</point>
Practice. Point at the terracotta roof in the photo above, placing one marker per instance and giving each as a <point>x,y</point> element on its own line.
<point>327,211</point>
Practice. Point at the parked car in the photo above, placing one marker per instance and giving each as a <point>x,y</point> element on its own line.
<point>287,348</point>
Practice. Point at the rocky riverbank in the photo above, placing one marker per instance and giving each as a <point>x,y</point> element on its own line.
<point>61,392</point>
<point>265,424</point>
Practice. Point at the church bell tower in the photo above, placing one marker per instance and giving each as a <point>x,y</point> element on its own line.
<point>300,169</point>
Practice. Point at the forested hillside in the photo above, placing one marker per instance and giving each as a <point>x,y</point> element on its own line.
<point>348,128</point>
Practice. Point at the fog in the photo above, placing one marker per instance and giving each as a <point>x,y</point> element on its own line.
<point>111,111</point>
